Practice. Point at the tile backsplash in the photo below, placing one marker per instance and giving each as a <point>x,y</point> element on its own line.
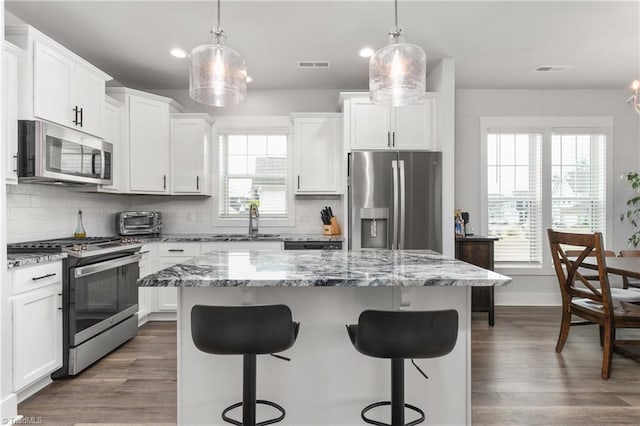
<point>36,211</point>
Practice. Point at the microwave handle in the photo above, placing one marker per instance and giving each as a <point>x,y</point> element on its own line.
<point>102,164</point>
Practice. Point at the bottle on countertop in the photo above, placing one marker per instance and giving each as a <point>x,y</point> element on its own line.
<point>459,224</point>
<point>80,232</point>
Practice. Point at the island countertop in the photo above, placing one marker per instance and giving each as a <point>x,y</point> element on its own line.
<point>323,268</point>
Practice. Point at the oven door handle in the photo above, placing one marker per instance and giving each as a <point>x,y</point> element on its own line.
<point>105,266</point>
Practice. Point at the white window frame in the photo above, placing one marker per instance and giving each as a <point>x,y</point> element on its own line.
<point>252,125</point>
<point>545,126</point>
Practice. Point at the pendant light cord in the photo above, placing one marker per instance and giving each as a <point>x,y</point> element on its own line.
<point>396,11</point>
<point>396,32</point>
<point>219,14</point>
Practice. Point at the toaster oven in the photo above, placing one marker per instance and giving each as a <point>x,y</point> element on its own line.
<point>138,223</point>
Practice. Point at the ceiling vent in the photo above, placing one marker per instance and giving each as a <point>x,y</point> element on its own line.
<point>314,64</point>
<point>552,68</point>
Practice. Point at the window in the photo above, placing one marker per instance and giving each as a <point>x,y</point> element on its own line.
<point>253,167</point>
<point>514,195</point>
<point>578,197</point>
<point>543,172</point>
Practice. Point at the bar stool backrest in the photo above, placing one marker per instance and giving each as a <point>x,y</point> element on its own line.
<point>242,330</point>
<point>407,334</point>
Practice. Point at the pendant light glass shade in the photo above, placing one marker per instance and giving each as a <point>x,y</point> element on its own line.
<point>397,73</point>
<point>217,75</point>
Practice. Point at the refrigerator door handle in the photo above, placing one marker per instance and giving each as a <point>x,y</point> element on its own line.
<point>403,195</point>
<point>394,241</point>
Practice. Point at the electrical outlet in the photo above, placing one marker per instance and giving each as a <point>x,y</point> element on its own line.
<point>189,218</point>
<point>304,217</point>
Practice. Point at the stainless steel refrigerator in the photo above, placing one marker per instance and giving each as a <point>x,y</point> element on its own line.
<point>395,200</point>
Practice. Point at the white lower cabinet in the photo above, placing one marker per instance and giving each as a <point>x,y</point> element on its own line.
<point>146,295</point>
<point>36,323</point>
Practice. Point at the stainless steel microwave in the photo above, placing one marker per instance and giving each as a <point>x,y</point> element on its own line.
<point>138,223</point>
<point>48,153</point>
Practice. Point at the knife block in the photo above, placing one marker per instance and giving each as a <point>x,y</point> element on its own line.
<point>333,228</point>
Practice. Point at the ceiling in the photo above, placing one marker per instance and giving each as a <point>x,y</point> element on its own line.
<point>495,44</point>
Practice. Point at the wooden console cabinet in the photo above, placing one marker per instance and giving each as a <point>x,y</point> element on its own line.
<point>478,251</point>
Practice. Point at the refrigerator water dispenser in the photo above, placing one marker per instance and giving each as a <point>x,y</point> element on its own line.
<point>374,227</point>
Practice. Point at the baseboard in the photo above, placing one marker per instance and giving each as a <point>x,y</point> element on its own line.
<point>528,299</point>
<point>162,316</point>
<point>34,387</point>
<point>8,408</point>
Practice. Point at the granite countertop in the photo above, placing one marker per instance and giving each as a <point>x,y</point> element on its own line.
<point>319,268</point>
<point>213,237</point>
<point>15,260</point>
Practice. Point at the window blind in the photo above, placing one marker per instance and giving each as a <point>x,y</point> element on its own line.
<point>253,167</point>
<point>514,198</point>
<point>578,179</point>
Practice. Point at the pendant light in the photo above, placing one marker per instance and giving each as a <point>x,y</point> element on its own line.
<point>397,72</point>
<point>217,73</point>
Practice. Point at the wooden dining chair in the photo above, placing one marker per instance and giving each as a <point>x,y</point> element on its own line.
<point>630,282</point>
<point>615,281</point>
<point>590,299</point>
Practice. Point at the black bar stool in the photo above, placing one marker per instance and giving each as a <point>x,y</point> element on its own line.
<point>246,331</point>
<point>399,335</point>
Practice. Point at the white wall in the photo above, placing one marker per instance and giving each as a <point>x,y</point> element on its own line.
<point>42,211</point>
<point>265,102</point>
<point>473,104</point>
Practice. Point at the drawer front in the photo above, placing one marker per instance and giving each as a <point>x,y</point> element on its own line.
<point>179,249</point>
<point>33,277</point>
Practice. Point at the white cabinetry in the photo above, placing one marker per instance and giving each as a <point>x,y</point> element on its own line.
<point>190,153</point>
<point>146,139</point>
<point>317,153</point>
<point>168,255</point>
<point>58,85</point>
<point>10,69</point>
<point>147,295</point>
<point>112,134</point>
<point>36,323</point>
<point>374,127</point>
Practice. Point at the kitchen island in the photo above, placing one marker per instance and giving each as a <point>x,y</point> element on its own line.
<point>327,381</point>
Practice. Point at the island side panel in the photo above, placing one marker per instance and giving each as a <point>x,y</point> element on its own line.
<point>327,381</point>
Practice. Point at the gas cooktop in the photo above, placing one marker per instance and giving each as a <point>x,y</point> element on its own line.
<point>78,247</point>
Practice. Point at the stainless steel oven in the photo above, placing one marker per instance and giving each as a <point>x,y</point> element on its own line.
<point>101,306</point>
<point>102,294</point>
<point>48,153</point>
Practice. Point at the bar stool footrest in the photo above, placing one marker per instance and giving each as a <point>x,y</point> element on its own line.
<point>259,401</point>
<point>384,403</point>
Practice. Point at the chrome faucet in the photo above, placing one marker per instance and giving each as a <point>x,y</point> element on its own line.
<point>253,219</point>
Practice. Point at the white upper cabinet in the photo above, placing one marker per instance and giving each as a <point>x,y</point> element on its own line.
<point>190,152</point>
<point>317,153</point>
<point>112,134</point>
<point>59,86</point>
<point>145,142</point>
<point>10,67</point>
<point>374,127</point>
<point>369,124</point>
<point>149,145</point>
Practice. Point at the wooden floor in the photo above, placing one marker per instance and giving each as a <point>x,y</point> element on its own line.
<point>518,379</point>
